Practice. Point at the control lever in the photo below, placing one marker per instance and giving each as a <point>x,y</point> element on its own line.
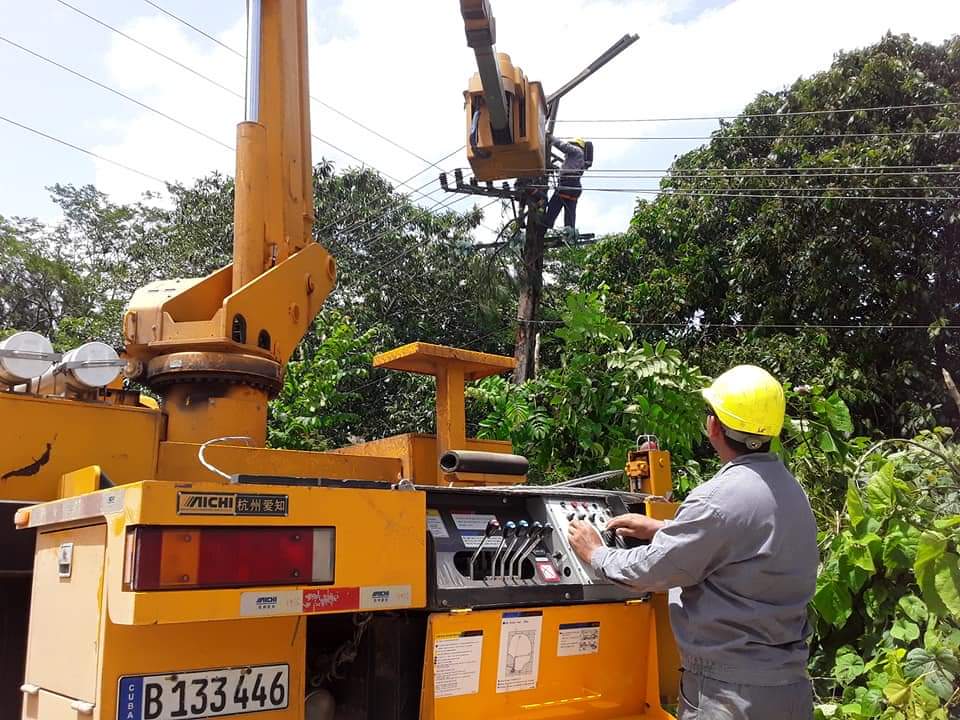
<point>536,532</point>
<point>488,532</point>
<point>523,528</point>
<point>508,532</point>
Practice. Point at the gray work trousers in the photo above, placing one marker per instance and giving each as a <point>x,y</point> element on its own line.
<point>703,698</point>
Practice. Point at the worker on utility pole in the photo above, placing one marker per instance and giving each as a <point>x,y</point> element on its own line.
<point>739,561</point>
<point>568,184</point>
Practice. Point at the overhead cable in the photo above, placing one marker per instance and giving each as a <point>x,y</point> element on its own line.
<point>91,153</point>
<point>774,194</point>
<point>317,100</point>
<point>162,114</point>
<point>206,78</point>
<point>775,326</point>
<point>811,136</point>
<point>797,113</point>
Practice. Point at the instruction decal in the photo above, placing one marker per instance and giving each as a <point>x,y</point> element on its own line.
<point>581,638</point>
<point>472,526</point>
<point>245,504</point>
<point>456,663</point>
<point>519,660</point>
<point>435,525</point>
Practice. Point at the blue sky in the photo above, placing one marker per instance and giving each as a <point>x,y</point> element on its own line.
<point>401,68</point>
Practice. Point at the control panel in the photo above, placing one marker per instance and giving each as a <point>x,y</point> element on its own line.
<point>509,546</point>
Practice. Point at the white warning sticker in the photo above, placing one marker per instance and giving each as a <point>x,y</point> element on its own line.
<point>578,639</point>
<point>456,663</point>
<point>435,524</point>
<point>471,521</point>
<point>519,660</point>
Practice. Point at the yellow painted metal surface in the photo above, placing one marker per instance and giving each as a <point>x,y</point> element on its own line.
<point>178,462</point>
<point>47,437</point>
<point>527,155</point>
<point>619,681</point>
<point>197,412</point>
<point>418,456</point>
<point>147,650</point>
<point>62,645</point>
<point>452,368</point>
<point>77,653</point>
<point>426,359</point>
<point>79,482</point>
<point>391,521</point>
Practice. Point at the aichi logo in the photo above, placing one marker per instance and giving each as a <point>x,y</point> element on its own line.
<point>266,602</point>
<point>380,597</point>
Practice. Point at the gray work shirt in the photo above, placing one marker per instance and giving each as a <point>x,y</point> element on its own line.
<point>574,163</point>
<point>740,559</point>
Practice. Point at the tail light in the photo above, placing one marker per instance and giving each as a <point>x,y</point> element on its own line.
<point>170,558</point>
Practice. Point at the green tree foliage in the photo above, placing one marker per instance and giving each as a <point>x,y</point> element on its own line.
<point>404,273</point>
<point>888,593</point>
<point>585,414</point>
<point>708,262</point>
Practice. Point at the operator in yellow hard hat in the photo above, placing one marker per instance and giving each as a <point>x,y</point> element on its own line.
<point>739,561</point>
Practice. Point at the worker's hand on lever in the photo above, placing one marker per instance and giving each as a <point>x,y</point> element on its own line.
<point>634,525</point>
<point>584,539</point>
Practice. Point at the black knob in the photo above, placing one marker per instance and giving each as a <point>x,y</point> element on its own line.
<point>571,516</point>
<point>491,528</point>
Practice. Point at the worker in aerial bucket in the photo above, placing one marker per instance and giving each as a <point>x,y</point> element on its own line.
<point>568,184</point>
<point>739,561</point>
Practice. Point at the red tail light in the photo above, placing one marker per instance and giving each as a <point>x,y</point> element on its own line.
<point>167,558</point>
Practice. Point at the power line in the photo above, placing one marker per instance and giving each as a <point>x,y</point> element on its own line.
<point>192,27</point>
<point>761,169</point>
<point>798,113</point>
<point>317,100</point>
<point>162,114</point>
<point>84,150</point>
<point>775,326</point>
<point>406,252</point>
<point>813,136</point>
<point>153,50</point>
<point>733,193</point>
<point>200,75</point>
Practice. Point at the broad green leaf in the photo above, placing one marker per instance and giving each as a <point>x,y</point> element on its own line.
<point>947,523</point>
<point>855,509</point>
<point>935,669</point>
<point>825,440</point>
<point>905,631</point>
<point>930,551</point>
<point>838,414</point>
<point>832,600</point>
<point>918,662</point>
<point>848,665</point>
<point>881,495</point>
<point>897,692</point>
<point>946,580</point>
<point>913,607</point>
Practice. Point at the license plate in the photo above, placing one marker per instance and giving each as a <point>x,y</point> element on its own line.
<point>204,693</point>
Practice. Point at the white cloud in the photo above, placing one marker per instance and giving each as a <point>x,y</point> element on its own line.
<point>401,68</point>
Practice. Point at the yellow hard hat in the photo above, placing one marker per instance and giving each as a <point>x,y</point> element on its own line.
<point>747,399</point>
<point>581,142</point>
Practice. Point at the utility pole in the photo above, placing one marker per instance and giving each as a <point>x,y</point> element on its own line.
<point>489,104</point>
<point>531,266</point>
<point>531,290</point>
